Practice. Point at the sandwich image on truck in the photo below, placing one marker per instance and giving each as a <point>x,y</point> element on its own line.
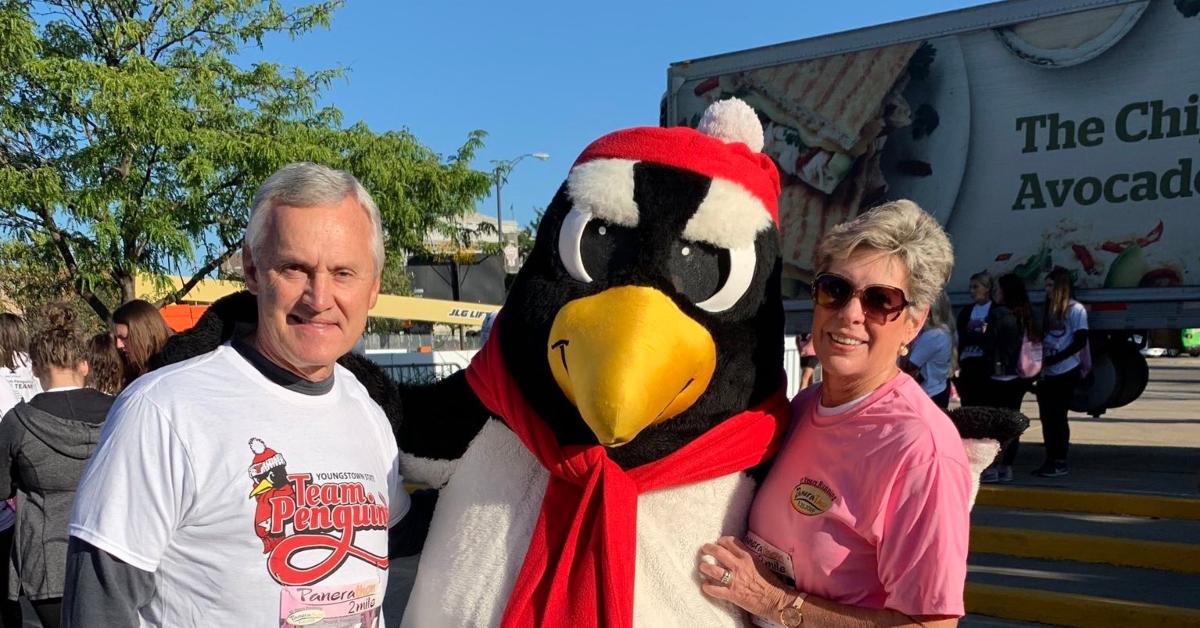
<point>1041,134</point>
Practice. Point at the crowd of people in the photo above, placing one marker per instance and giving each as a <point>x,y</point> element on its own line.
<point>119,509</point>
<point>57,385</point>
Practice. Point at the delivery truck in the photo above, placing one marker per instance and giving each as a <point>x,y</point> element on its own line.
<point>1041,133</point>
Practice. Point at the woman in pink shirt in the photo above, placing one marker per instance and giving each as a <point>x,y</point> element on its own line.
<point>863,519</point>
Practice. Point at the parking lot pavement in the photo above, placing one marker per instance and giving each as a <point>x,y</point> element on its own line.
<point>1151,445</point>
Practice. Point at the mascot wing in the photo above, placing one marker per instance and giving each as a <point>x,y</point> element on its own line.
<point>983,430</point>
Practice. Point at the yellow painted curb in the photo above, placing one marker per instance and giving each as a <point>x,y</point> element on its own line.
<point>1130,504</point>
<point>1069,609</point>
<point>1178,557</point>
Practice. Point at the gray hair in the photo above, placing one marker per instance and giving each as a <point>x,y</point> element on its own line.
<point>902,229</point>
<point>304,184</point>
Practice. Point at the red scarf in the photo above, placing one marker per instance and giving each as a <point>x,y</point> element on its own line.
<point>579,569</point>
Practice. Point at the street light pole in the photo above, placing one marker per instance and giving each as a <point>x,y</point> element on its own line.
<point>499,211</point>
<point>502,169</point>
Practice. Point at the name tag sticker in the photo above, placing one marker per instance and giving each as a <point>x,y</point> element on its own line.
<point>775,559</point>
<point>359,604</point>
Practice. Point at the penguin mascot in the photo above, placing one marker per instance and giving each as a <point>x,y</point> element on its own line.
<point>630,393</point>
<point>631,382</point>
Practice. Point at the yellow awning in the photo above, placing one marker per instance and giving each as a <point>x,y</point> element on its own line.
<point>388,306</point>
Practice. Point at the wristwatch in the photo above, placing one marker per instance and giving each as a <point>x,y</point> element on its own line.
<point>791,617</point>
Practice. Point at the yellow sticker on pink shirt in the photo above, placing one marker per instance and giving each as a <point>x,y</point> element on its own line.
<point>812,497</point>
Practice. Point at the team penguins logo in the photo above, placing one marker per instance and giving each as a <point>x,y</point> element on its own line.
<point>268,475</point>
<point>295,514</point>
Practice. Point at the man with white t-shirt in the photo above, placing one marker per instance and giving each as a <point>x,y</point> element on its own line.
<point>254,485</point>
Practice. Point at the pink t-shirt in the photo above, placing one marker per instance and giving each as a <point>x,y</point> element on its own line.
<point>870,507</point>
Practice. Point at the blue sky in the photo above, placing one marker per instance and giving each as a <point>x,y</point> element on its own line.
<point>543,76</point>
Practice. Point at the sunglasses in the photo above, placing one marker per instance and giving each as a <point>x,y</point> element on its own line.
<point>880,303</point>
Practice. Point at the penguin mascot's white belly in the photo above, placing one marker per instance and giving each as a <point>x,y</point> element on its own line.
<point>486,514</point>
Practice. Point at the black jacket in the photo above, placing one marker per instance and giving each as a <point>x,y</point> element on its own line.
<point>968,338</point>
<point>44,446</point>
<point>1003,341</point>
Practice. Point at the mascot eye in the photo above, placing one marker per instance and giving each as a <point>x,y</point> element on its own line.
<point>712,277</point>
<point>593,249</point>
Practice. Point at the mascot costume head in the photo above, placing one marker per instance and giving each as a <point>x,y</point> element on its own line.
<point>628,396</point>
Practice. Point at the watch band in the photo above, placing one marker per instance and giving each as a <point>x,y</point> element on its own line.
<point>792,616</point>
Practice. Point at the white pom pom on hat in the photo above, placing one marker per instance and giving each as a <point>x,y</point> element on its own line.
<point>732,120</point>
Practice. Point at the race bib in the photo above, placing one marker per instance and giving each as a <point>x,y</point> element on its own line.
<point>775,559</point>
<point>342,606</point>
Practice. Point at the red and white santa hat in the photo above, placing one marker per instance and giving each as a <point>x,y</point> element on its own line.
<point>742,200</point>
<point>265,458</point>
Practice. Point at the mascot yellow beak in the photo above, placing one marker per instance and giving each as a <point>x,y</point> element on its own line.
<point>262,487</point>
<point>628,358</point>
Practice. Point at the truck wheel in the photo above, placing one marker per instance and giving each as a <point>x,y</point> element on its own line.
<point>1092,394</point>
<point>1134,375</point>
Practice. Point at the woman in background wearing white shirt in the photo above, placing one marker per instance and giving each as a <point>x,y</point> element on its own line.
<point>10,612</point>
<point>15,367</point>
<point>1065,326</point>
<point>930,358</point>
<point>17,383</point>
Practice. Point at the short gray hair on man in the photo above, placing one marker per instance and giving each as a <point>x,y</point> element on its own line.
<point>900,228</point>
<point>304,184</point>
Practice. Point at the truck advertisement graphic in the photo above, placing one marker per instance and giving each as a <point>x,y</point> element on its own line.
<point>1040,133</point>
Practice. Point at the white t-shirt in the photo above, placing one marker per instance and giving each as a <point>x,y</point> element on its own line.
<point>7,400</point>
<point>252,504</point>
<point>1059,335</point>
<point>21,379</point>
<point>931,352</point>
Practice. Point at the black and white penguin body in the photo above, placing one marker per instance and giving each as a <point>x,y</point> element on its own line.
<point>648,313</point>
<point>486,514</point>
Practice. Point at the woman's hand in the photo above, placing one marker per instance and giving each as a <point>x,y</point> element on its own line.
<point>751,586</point>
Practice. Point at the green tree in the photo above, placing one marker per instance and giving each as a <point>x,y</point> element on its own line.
<point>131,140</point>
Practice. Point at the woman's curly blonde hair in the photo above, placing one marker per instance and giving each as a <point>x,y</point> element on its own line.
<point>904,230</point>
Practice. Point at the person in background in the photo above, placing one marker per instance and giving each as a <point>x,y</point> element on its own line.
<point>1013,321</point>
<point>930,358</point>
<point>16,374</point>
<point>863,518</point>
<point>808,360</point>
<point>45,444</point>
<point>14,357</point>
<point>972,326</point>
<point>1065,325</point>
<point>8,398</point>
<point>105,370</point>
<point>10,611</point>
<point>140,332</point>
